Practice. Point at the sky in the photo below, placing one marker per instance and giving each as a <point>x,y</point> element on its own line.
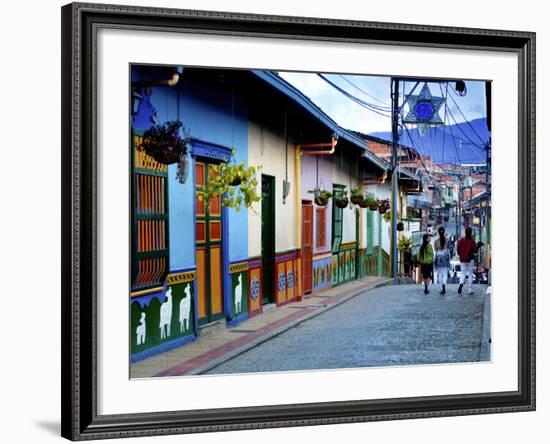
<point>376,90</point>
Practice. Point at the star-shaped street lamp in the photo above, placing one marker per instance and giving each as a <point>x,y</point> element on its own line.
<point>423,110</point>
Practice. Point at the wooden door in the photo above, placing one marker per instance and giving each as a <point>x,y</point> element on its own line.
<point>268,238</point>
<point>307,247</point>
<point>208,249</point>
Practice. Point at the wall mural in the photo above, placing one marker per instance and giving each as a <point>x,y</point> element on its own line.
<point>322,273</point>
<point>162,317</point>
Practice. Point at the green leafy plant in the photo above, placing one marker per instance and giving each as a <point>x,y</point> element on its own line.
<point>356,196</point>
<point>371,201</point>
<point>164,142</point>
<point>404,243</point>
<point>235,183</point>
<point>341,199</point>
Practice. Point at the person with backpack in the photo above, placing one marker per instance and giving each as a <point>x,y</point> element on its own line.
<point>425,259</point>
<point>466,249</point>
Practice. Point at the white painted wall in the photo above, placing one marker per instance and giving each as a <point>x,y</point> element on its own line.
<point>266,147</point>
<point>344,172</point>
<point>386,236</point>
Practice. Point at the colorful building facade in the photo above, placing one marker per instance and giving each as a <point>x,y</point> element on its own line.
<point>195,264</point>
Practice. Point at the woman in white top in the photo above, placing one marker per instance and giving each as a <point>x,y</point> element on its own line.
<point>442,260</point>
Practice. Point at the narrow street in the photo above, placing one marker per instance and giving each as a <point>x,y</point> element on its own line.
<point>390,325</point>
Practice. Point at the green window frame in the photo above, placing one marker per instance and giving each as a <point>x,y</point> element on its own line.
<point>337,219</point>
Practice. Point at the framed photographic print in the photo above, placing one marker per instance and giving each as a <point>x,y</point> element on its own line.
<point>279,221</point>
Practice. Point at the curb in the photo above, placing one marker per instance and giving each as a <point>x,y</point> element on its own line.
<point>238,351</point>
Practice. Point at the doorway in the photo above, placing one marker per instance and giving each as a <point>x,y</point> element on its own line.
<point>268,238</point>
<point>307,246</point>
<point>208,244</point>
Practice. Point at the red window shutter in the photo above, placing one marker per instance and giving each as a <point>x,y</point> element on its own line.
<point>321,231</point>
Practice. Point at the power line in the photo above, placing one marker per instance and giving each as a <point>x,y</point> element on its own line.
<point>462,131</point>
<point>467,121</point>
<point>363,91</point>
<point>371,107</point>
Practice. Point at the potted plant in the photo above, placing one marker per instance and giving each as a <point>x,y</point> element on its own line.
<point>164,143</point>
<point>236,183</point>
<point>383,205</point>
<point>372,202</point>
<point>321,196</point>
<point>400,226</point>
<point>404,243</point>
<point>356,196</point>
<point>341,199</point>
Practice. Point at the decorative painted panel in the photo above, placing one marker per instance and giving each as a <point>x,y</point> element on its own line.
<point>322,272</point>
<point>239,293</point>
<point>163,321</point>
<point>255,289</point>
<point>281,283</point>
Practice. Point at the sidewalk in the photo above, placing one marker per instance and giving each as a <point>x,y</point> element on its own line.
<point>220,343</point>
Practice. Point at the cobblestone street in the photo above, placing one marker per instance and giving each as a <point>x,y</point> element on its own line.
<point>390,325</point>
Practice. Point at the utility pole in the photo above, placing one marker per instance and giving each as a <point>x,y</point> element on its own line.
<point>395,172</point>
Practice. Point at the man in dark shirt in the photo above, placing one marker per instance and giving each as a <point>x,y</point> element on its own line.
<point>466,249</point>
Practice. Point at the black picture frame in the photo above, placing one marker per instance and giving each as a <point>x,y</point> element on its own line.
<point>79,170</point>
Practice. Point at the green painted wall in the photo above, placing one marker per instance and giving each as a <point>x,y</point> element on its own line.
<point>152,335</point>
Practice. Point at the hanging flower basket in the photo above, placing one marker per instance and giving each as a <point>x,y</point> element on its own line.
<point>363,203</point>
<point>400,226</point>
<point>321,197</point>
<point>383,206</point>
<point>164,143</point>
<point>321,201</point>
<point>341,202</point>
<point>356,196</point>
<point>341,199</point>
<point>372,202</point>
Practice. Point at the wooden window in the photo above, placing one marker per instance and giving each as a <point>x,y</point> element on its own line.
<point>149,219</point>
<point>321,227</point>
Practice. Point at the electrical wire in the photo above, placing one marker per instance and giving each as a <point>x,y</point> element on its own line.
<point>462,131</point>
<point>363,91</point>
<point>369,106</point>
<point>466,120</point>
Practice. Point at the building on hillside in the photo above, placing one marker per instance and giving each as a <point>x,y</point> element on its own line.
<point>195,264</point>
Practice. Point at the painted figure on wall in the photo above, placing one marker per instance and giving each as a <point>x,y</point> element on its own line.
<point>166,315</point>
<point>238,294</point>
<point>141,330</point>
<point>185,309</point>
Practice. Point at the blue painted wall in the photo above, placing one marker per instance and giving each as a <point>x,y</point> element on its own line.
<point>211,113</point>
<point>211,116</point>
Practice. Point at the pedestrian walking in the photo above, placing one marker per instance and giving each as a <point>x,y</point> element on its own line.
<point>442,260</point>
<point>425,258</point>
<point>466,248</point>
